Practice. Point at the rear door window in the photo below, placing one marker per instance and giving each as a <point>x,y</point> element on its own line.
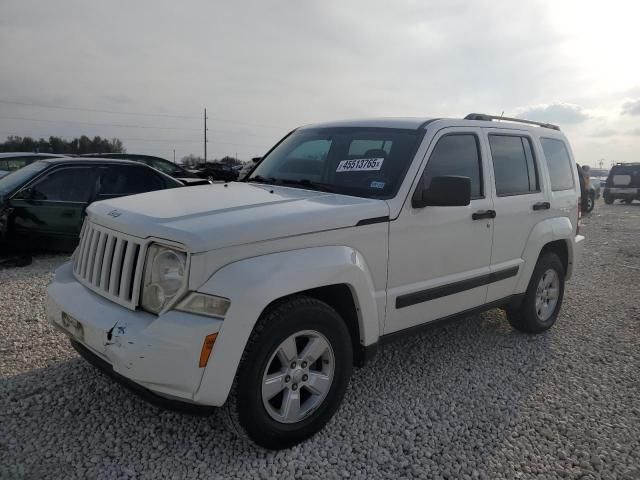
<point>513,165</point>
<point>121,180</point>
<point>559,163</point>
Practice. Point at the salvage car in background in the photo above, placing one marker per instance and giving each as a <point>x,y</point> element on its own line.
<point>217,171</point>
<point>165,166</point>
<point>42,205</point>
<point>623,183</point>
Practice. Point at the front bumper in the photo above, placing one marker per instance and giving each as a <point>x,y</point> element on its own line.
<point>159,353</point>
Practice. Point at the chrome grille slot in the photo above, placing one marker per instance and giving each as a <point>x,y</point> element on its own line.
<point>110,263</point>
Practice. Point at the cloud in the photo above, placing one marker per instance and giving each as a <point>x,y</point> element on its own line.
<point>563,113</point>
<point>632,107</point>
<point>605,133</point>
<point>635,132</point>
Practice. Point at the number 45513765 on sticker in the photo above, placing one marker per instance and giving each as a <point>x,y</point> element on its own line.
<point>360,165</point>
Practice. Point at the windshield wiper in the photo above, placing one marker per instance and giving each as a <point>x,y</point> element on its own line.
<point>305,182</point>
<point>260,179</point>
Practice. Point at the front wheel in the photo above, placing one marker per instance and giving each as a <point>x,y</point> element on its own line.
<point>293,374</point>
<point>543,298</point>
<point>608,199</point>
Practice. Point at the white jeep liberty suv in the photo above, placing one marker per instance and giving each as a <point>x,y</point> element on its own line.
<point>261,295</point>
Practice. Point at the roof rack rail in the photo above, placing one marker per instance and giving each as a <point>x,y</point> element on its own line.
<point>488,118</point>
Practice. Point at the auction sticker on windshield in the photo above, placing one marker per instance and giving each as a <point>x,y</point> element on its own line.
<point>360,165</point>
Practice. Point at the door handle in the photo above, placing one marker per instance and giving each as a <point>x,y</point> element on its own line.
<point>542,206</point>
<point>67,213</point>
<point>480,214</point>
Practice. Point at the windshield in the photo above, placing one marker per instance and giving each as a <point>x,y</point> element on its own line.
<point>18,177</point>
<point>365,162</point>
<point>167,167</point>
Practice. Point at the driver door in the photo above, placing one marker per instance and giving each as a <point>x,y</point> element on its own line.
<point>52,208</point>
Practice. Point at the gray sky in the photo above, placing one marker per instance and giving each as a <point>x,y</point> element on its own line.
<point>264,67</point>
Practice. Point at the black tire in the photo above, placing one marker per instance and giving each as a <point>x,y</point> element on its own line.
<point>628,200</point>
<point>608,199</point>
<point>245,411</point>
<point>591,202</point>
<point>525,318</point>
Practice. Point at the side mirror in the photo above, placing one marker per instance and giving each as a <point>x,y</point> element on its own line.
<point>445,191</point>
<point>256,159</point>
<point>25,194</point>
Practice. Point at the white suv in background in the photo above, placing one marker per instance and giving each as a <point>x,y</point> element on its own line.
<point>261,295</point>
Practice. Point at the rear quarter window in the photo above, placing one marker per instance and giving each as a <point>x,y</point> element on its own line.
<point>558,163</point>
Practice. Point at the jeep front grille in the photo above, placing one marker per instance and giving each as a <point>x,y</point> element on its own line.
<point>110,263</point>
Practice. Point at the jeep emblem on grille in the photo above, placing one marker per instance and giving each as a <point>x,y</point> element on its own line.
<point>114,213</point>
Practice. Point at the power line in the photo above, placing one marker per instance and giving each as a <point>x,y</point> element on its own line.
<point>117,125</point>
<point>97,124</point>
<point>141,114</point>
<point>94,110</point>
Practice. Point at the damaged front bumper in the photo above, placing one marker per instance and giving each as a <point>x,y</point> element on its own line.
<point>159,353</point>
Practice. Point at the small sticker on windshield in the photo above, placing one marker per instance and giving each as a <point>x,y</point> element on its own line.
<point>375,184</point>
<point>360,165</point>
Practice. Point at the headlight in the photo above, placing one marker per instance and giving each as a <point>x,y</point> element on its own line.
<point>203,304</point>
<point>164,277</point>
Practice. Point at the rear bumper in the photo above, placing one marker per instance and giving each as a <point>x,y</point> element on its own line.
<point>621,192</point>
<point>159,353</point>
<point>576,257</point>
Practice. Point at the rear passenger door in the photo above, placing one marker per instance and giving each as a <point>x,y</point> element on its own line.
<point>519,202</point>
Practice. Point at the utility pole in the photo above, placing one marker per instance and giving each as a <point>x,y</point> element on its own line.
<point>174,155</point>
<point>205,135</point>
<point>601,162</point>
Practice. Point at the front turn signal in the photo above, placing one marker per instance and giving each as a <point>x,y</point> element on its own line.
<point>207,346</point>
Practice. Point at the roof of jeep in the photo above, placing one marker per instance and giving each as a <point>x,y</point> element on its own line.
<point>412,123</point>
<point>419,123</point>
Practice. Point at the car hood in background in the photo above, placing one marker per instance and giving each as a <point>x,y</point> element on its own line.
<point>214,216</point>
<point>192,181</point>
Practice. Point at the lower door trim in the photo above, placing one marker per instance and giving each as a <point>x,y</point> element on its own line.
<point>421,296</point>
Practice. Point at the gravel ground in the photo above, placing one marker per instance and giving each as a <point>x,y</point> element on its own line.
<point>473,399</point>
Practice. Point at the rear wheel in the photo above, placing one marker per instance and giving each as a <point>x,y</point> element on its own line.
<point>590,202</point>
<point>543,298</point>
<point>628,200</point>
<point>293,374</point>
<point>608,199</point>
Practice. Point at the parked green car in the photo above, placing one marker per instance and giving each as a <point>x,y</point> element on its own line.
<point>42,205</point>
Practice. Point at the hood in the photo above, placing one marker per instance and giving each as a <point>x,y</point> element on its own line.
<point>208,217</point>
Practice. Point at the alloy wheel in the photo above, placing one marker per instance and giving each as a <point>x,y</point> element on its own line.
<point>298,376</point>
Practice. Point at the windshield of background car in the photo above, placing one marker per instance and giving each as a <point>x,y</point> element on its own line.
<point>358,161</point>
<point>166,167</point>
<point>18,177</point>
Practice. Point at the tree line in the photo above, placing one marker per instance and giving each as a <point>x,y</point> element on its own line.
<point>76,146</point>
